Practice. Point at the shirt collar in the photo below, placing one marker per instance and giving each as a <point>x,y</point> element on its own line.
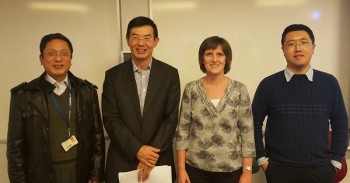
<point>289,74</point>
<point>53,81</point>
<point>137,69</point>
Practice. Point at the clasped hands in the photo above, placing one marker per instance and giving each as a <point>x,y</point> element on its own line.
<point>148,157</point>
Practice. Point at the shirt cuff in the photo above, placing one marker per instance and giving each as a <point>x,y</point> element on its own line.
<point>262,160</point>
<point>336,164</point>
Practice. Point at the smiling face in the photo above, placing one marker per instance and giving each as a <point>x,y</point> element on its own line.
<point>56,59</point>
<point>298,50</point>
<point>214,61</point>
<point>142,42</point>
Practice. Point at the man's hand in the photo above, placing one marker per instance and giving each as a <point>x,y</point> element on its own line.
<point>264,166</point>
<point>148,155</point>
<point>143,172</point>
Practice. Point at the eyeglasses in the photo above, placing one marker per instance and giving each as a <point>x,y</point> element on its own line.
<point>53,54</point>
<point>302,43</point>
<point>139,38</point>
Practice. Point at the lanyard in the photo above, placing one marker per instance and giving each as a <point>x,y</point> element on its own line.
<point>59,110</point>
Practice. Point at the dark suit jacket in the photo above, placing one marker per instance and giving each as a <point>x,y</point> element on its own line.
<point>127,128</point>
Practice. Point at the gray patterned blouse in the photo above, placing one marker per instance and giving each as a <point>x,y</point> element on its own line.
<point>216,138</point>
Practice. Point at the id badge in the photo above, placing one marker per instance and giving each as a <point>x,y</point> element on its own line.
<point>71,142</point>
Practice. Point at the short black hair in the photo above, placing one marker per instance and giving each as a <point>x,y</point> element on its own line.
<point>212,43</point>
<point>297,27</point>
<point>142,21</point>
<point>50,37</point>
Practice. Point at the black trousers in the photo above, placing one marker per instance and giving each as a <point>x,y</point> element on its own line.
<point>65,175</point>
<point>288,174</point>
<point>65,172</point>
<point>201,176</point>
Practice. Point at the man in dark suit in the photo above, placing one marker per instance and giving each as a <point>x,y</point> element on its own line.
<point>140,106</point>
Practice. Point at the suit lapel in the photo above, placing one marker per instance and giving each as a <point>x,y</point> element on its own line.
<point>131,88</point>
<point>153,85</point>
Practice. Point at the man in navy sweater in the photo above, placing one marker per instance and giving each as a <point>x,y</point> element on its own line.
<point>301,105</point>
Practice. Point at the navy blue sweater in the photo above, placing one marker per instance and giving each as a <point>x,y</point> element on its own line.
<point>298,116</point>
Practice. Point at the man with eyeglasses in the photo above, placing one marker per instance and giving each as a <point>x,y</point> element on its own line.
<point>140,102</point>
<point>55,131</point>
<point>301,105</point>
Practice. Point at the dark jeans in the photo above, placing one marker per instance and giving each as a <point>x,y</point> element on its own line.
<point>288,174</point>
<point>201,176</point>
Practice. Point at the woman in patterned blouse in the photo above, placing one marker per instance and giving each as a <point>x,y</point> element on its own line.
<point>215,135</point>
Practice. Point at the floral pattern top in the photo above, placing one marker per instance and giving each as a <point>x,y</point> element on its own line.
<point>216,138</point>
